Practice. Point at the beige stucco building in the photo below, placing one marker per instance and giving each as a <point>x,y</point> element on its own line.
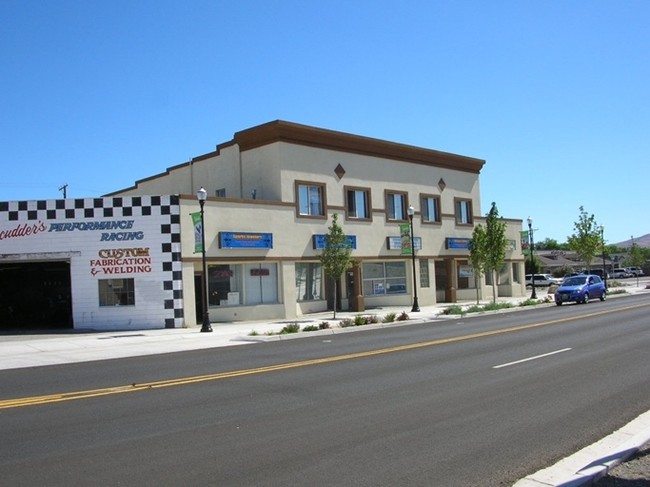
<point>272,192</point>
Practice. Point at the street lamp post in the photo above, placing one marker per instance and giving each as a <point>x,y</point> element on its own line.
<point>416,306</point>
<point>602,242</point>
<point>202,195</point>
<point>532,258</point>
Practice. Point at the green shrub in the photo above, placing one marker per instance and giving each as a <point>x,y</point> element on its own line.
<point>474,309</point>
<point>290,328</point>
<point>311,328</point>
<point>453,310</point>
<point>496,306</point>
<point>529,302</point>
<point>389,318</point>
<point>253,333</point>
<point>360,320</point>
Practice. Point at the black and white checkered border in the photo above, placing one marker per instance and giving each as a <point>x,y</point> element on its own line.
<point>119,207</point>
<point>79,208</point>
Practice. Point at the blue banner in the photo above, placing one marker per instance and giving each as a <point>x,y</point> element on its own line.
<point>245,240</point>
<point>318,241</point>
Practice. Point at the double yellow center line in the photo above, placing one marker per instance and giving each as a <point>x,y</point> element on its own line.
<point>71,396</point>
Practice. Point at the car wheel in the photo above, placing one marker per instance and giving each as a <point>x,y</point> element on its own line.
<point>559,303</point>
<point>603,297</point>
<point>585,300</point>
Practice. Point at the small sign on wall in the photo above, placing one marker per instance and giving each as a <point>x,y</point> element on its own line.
<point>395,243</point>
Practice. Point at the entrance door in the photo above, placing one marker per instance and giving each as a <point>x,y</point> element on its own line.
<point>198,297</point>
<point>35,296</point>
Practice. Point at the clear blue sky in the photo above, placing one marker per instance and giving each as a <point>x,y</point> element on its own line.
<point>554,95</point>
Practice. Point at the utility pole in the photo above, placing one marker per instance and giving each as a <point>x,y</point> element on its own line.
<point>64,188</point>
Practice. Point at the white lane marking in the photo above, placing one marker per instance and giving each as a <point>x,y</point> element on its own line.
<point>530,358</point>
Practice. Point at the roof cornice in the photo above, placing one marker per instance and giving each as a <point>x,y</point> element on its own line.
<point>293,133</point>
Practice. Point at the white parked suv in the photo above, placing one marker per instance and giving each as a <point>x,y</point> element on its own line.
<point>636,271</point>
<point>542,280</point>
<point>620,273</point>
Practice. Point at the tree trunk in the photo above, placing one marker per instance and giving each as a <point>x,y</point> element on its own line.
<point>335,300</point>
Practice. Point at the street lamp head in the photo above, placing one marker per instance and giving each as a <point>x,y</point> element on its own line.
<point>202,194</point>
<point>411,211</point>
<point>530,222</point>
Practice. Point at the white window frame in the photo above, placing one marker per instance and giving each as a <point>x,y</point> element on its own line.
<point>396,205</point>
<point>430,203</point>
<point>310,199</point>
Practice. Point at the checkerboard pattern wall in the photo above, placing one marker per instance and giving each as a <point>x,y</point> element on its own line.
<point>131,207</point>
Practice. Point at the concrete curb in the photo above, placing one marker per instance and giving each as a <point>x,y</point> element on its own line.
<point>594,461</point>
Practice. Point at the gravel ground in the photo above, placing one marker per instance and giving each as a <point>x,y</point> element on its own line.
<point>633,473</point>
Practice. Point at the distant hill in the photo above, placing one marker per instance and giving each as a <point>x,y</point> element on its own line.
<point>643,241</point>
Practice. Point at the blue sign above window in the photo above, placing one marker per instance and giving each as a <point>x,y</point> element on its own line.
<point>458,243</point>
<point>245,240</point>
<point>319,241</point>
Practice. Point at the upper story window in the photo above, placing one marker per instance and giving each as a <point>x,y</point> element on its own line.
<point>311,199</point>
<point>430,209</point>
<point>396,204</point>
<point>463,212</point>
<point>220,193</point>
<point>357,203</point>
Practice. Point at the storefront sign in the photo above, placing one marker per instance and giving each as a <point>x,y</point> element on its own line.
<point>318,241</point>
<point>23,230</point>
<point>457,243</point>
<point>260,272</point>
<point>245,240</point>
<point>395,243</point>
<point>121,261</point>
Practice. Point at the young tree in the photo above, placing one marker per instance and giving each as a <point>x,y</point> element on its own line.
<point>477,254</point>
<point>335,257</point>
<point>495,245</point>
<point>586,239</point>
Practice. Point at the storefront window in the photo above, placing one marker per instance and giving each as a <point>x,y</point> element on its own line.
<point>116,292</point>
<point>424,273</point>
<point>464,275</point>
<point>384,278</point>
<point>243,284</point>
<point>260,283</point>
<point>224,284</point>
<point>308,281</point>
<point>504,275</point>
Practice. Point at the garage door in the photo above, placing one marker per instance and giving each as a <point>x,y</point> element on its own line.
<point>35,296</point>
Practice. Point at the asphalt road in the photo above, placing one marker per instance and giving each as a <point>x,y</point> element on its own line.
<point>480,401</point>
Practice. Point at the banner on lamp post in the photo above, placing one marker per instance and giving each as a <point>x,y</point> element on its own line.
<point>405,238</point>
<point>198,232</point>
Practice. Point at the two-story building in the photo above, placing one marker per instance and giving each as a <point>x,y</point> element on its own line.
<point>272,192</point>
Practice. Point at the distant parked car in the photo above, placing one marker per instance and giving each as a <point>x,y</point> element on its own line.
<point>542,280</point>
<point>636,271</point>
<point>620,273</point>
<point>597,272</point>
<point>581,289</point>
